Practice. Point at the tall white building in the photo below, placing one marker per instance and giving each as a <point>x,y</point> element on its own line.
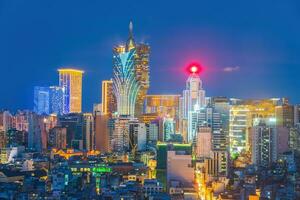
<point>192,101</point>
<point>264,136</point>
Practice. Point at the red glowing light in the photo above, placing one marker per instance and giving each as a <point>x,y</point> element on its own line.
<point>194,68</point>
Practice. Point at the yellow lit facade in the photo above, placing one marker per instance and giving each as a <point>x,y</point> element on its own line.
<point>241,119</point>
<point>163,105</point>
<point>108,99</point>
<point>71,81</point>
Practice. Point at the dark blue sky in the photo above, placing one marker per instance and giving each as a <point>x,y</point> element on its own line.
<point>248,48</point>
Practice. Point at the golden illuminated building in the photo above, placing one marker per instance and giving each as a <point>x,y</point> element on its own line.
<point>163,105</point>
<point>241,119</point>
<point>71,81</point>
<point>108,98</point>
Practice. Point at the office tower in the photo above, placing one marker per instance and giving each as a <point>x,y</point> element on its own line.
<point>180,169</point>
<point>57,138</point>
<point>238,127</point>
<point>71,82</point>
<point>142,75</point>
<point>48,100</point>
<point>56,100</point>
<point>102,137</point>
<point>108,99</point>
<point>88,131</point>
<point>41,100</point>
<point>285,115</point>
<point>73,122</point>
<point>130,76</point>
<point>294,138</point>
<point>34,133</point>
<point>241,119</point>
<point>205,117</point>
<point>192,101</point>
<point>264,142</point>
<point>119,140</point>
<point>137,136</point>
<point>152,131</point>
<point>204,140</point>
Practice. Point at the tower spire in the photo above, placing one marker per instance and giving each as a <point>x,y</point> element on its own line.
<point>130,42</point>
<point>130,29</point>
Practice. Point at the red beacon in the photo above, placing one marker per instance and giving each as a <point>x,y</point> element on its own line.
<point>194,68</point>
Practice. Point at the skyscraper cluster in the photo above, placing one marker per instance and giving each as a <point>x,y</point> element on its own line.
<point>135,145</point>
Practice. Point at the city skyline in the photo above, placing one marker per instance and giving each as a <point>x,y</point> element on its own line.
<point>149,100</point>
<point>262,49</point>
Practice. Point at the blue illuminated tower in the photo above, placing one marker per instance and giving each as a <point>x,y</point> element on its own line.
<point>41,100</point>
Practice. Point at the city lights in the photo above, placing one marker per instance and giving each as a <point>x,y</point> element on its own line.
<point>192,144</point>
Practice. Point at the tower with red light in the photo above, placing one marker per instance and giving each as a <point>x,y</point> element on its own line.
<point>193,99</point>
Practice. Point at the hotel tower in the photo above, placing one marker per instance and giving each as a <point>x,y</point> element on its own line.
<point>71,82</point>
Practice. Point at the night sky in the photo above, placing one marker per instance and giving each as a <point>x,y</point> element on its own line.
<point>247,50</point>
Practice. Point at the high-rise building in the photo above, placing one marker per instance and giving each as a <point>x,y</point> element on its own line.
<point>285,115</point>
<point>294,138</point>
<point>56,100</point>
<point>192,101</point>
<point>264,142</point>
<point>102,137</point>
<point>119,140</point>
<point>41,100</point>
<point>108,99</point>
<point>34,133</point>
<point>71,82</point>
<point>48,100</point>
<point>88,131</point>
<point>203,144</point>
<point>130,76</point>
<point>73,122</point>
<point>241,119</point>
<point>137,136</point>
<point>57,138</point>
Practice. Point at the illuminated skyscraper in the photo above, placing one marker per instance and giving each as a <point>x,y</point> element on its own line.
<point>108,98</point>
<point>41,100</point>
<point>48,100</point>
<point>241,119</point>
<point>264,137</point>
<point>56,100</point>
<point>130,76</point>
<point>71,81</point>
<point>193,100</point>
